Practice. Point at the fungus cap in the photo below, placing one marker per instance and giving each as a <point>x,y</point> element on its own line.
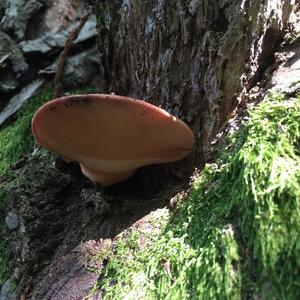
<point>110,136</point>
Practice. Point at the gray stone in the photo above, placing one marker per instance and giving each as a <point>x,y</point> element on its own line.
<point>50,40</point>
<point>59,12</point>
<point>6,292</point>
<point>3,60</point>
<point>17,15</point>
<point>45,43</point>
<point>9,51</point>
<point>2,8</point>
<point>88,31</point>
<point>18,100</point>
<point>80,69</point>
<point>8,86</point>
<point>12,220</point>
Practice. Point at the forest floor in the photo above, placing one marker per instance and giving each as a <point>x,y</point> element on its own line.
<point>233,231</point>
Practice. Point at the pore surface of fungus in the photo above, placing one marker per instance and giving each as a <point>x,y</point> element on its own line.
<point>110,136</point>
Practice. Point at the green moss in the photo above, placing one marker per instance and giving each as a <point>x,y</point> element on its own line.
<point>238,235</point>
<point>16,142</point>
<point>16,139</point>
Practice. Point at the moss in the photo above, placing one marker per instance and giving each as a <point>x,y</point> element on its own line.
<point>238,233</point>
<point>16,142</point>
<point>16,139</point>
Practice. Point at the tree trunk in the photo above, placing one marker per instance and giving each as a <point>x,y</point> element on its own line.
<point>192,58</point>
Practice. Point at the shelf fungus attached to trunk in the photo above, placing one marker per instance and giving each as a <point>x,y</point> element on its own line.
<point>111,136</point>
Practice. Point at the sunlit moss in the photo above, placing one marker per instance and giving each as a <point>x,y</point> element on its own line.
<point>238,235</point>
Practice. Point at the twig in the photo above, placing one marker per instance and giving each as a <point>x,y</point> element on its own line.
<point>58,80</point>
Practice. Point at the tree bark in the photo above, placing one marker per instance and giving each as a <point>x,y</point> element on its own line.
<point>192,58</point>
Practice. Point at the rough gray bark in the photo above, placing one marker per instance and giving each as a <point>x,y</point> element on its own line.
<point>190,57</point>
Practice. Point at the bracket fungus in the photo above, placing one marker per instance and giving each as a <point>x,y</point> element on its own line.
<point>110,136</point>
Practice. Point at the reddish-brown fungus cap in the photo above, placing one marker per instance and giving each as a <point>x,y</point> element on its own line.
<point>110,134</point>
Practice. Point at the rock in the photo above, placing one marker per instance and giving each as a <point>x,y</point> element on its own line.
<point>81,69</point>
<point>50,40</point>
<point>3,60</point>
<point>8,86</point>
<point>12,220</point>
<point>2,9</point>
<point>88,31</point>
<point>10,52</point>
<point>60,13</point>
<point>13,66</point>
<point>6,292</point>
<point>18,100</point>
<point>45,43</point>
<point>17,15</point>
